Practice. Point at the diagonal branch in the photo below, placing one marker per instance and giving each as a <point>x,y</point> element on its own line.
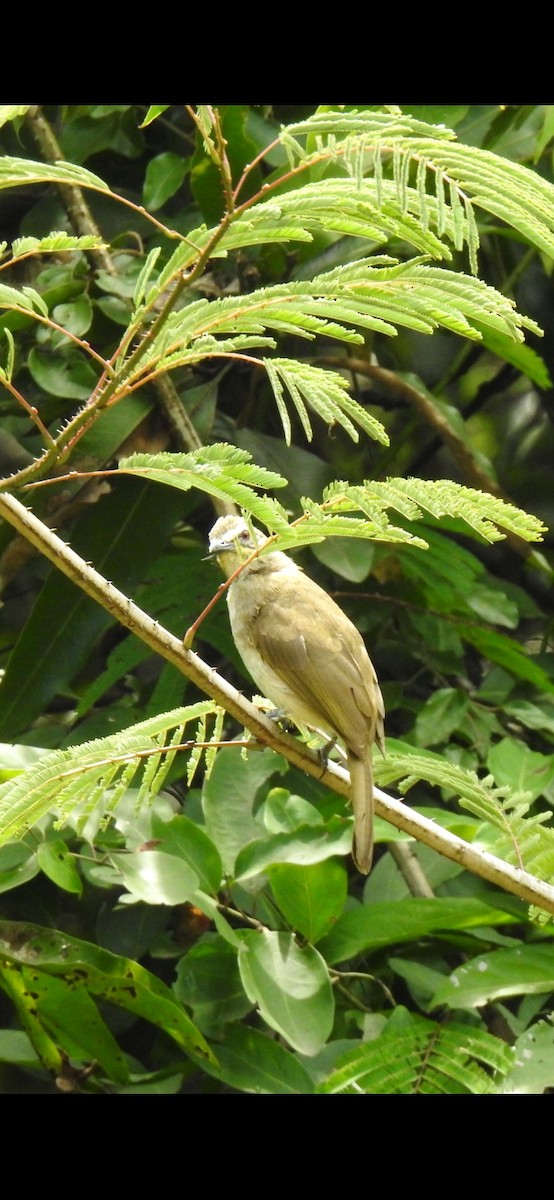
<point>512,879</point>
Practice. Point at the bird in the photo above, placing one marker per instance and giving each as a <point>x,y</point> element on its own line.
<point>306,657</point>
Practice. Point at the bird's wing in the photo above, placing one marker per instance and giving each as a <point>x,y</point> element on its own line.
<point>322,658</point>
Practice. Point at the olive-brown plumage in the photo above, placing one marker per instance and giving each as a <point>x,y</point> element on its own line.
<point>307,657</point>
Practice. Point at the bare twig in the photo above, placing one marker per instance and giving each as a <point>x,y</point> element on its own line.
<point>411,869</point>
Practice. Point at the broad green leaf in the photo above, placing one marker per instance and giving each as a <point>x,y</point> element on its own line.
<point>22,871</point>
<point>350,559</point>
<point>119,980</point>
<point>130,929</point>
<point>533,1072</point>
<point>229,800</point>
<point>493,605</point>
<point>387,924</point>
<point>533,715</point>
<point>285,813</point>
<point>291,987</point>
<point>75,316</point>
<point>164,176</point>
<point>441,716</point>
<point>304,846</point>
<point>210,907</point>
<point>507,653</point>
<point>209,984</point>
<point>311,898</point>
<point>16,758</point>
<point>158,1083</point>
<point>189,843</point>
<point>14,984</point>
<point>513,763</point>
<point>71,378</point>
<point>421,980</point>
<point>547,131</point>
<point>16,1047</point>
<point>57,862</point>
<point>255,1063</point>
<point>156,878</point>
<point>525,970</point>
<point>115,309</point>
<point>71,1018</point>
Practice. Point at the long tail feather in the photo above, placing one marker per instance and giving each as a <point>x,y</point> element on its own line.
<point>361,781</point>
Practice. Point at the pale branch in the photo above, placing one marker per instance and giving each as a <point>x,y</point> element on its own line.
<point>79,212</point>
<point>411,870</point>
<point>512,879</point>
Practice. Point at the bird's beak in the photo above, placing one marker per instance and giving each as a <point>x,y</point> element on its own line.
<point>219,546</point>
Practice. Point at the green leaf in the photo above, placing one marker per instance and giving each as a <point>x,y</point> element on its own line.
<point>16,1047</point>
<point>55,243</point>
<point>388,924</point>
<point>507,653</point>
<point>89,780</point>
<point>229,800</point>
<point>10,112</point>
<point>75,316</point>
<point>533,1072</point>
<point>110,976</point>
<point>220,470</point>
<point>15,172</point>
<point>533,715</point>
<point>12,298</point>
<point>189,843</point>
<point>414,1056</point>
<point>257,1064</point>
<point>154,111</point>
<point>57,862</point>
<point>441,716</point>
<point>164,176</point>
<point>525,970</point>
<point>14,873</point>
<point>71,378</point>
<point>350,559</point>
<point>291,987</point>
<point>71,1018</point>
<point>524,358</point>
<point>524,770</point>
<point>311,898</point>
<point>547,131</point>
<point>209,983</point>
<point>155,877</point>
<point>305,846</point>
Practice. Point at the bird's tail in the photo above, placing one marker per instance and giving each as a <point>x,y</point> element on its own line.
<point>361,791</point>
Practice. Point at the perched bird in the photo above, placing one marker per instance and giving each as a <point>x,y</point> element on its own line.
<point>307,657</point>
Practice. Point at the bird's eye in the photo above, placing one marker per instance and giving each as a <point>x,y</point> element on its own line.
<point>244,535</point>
